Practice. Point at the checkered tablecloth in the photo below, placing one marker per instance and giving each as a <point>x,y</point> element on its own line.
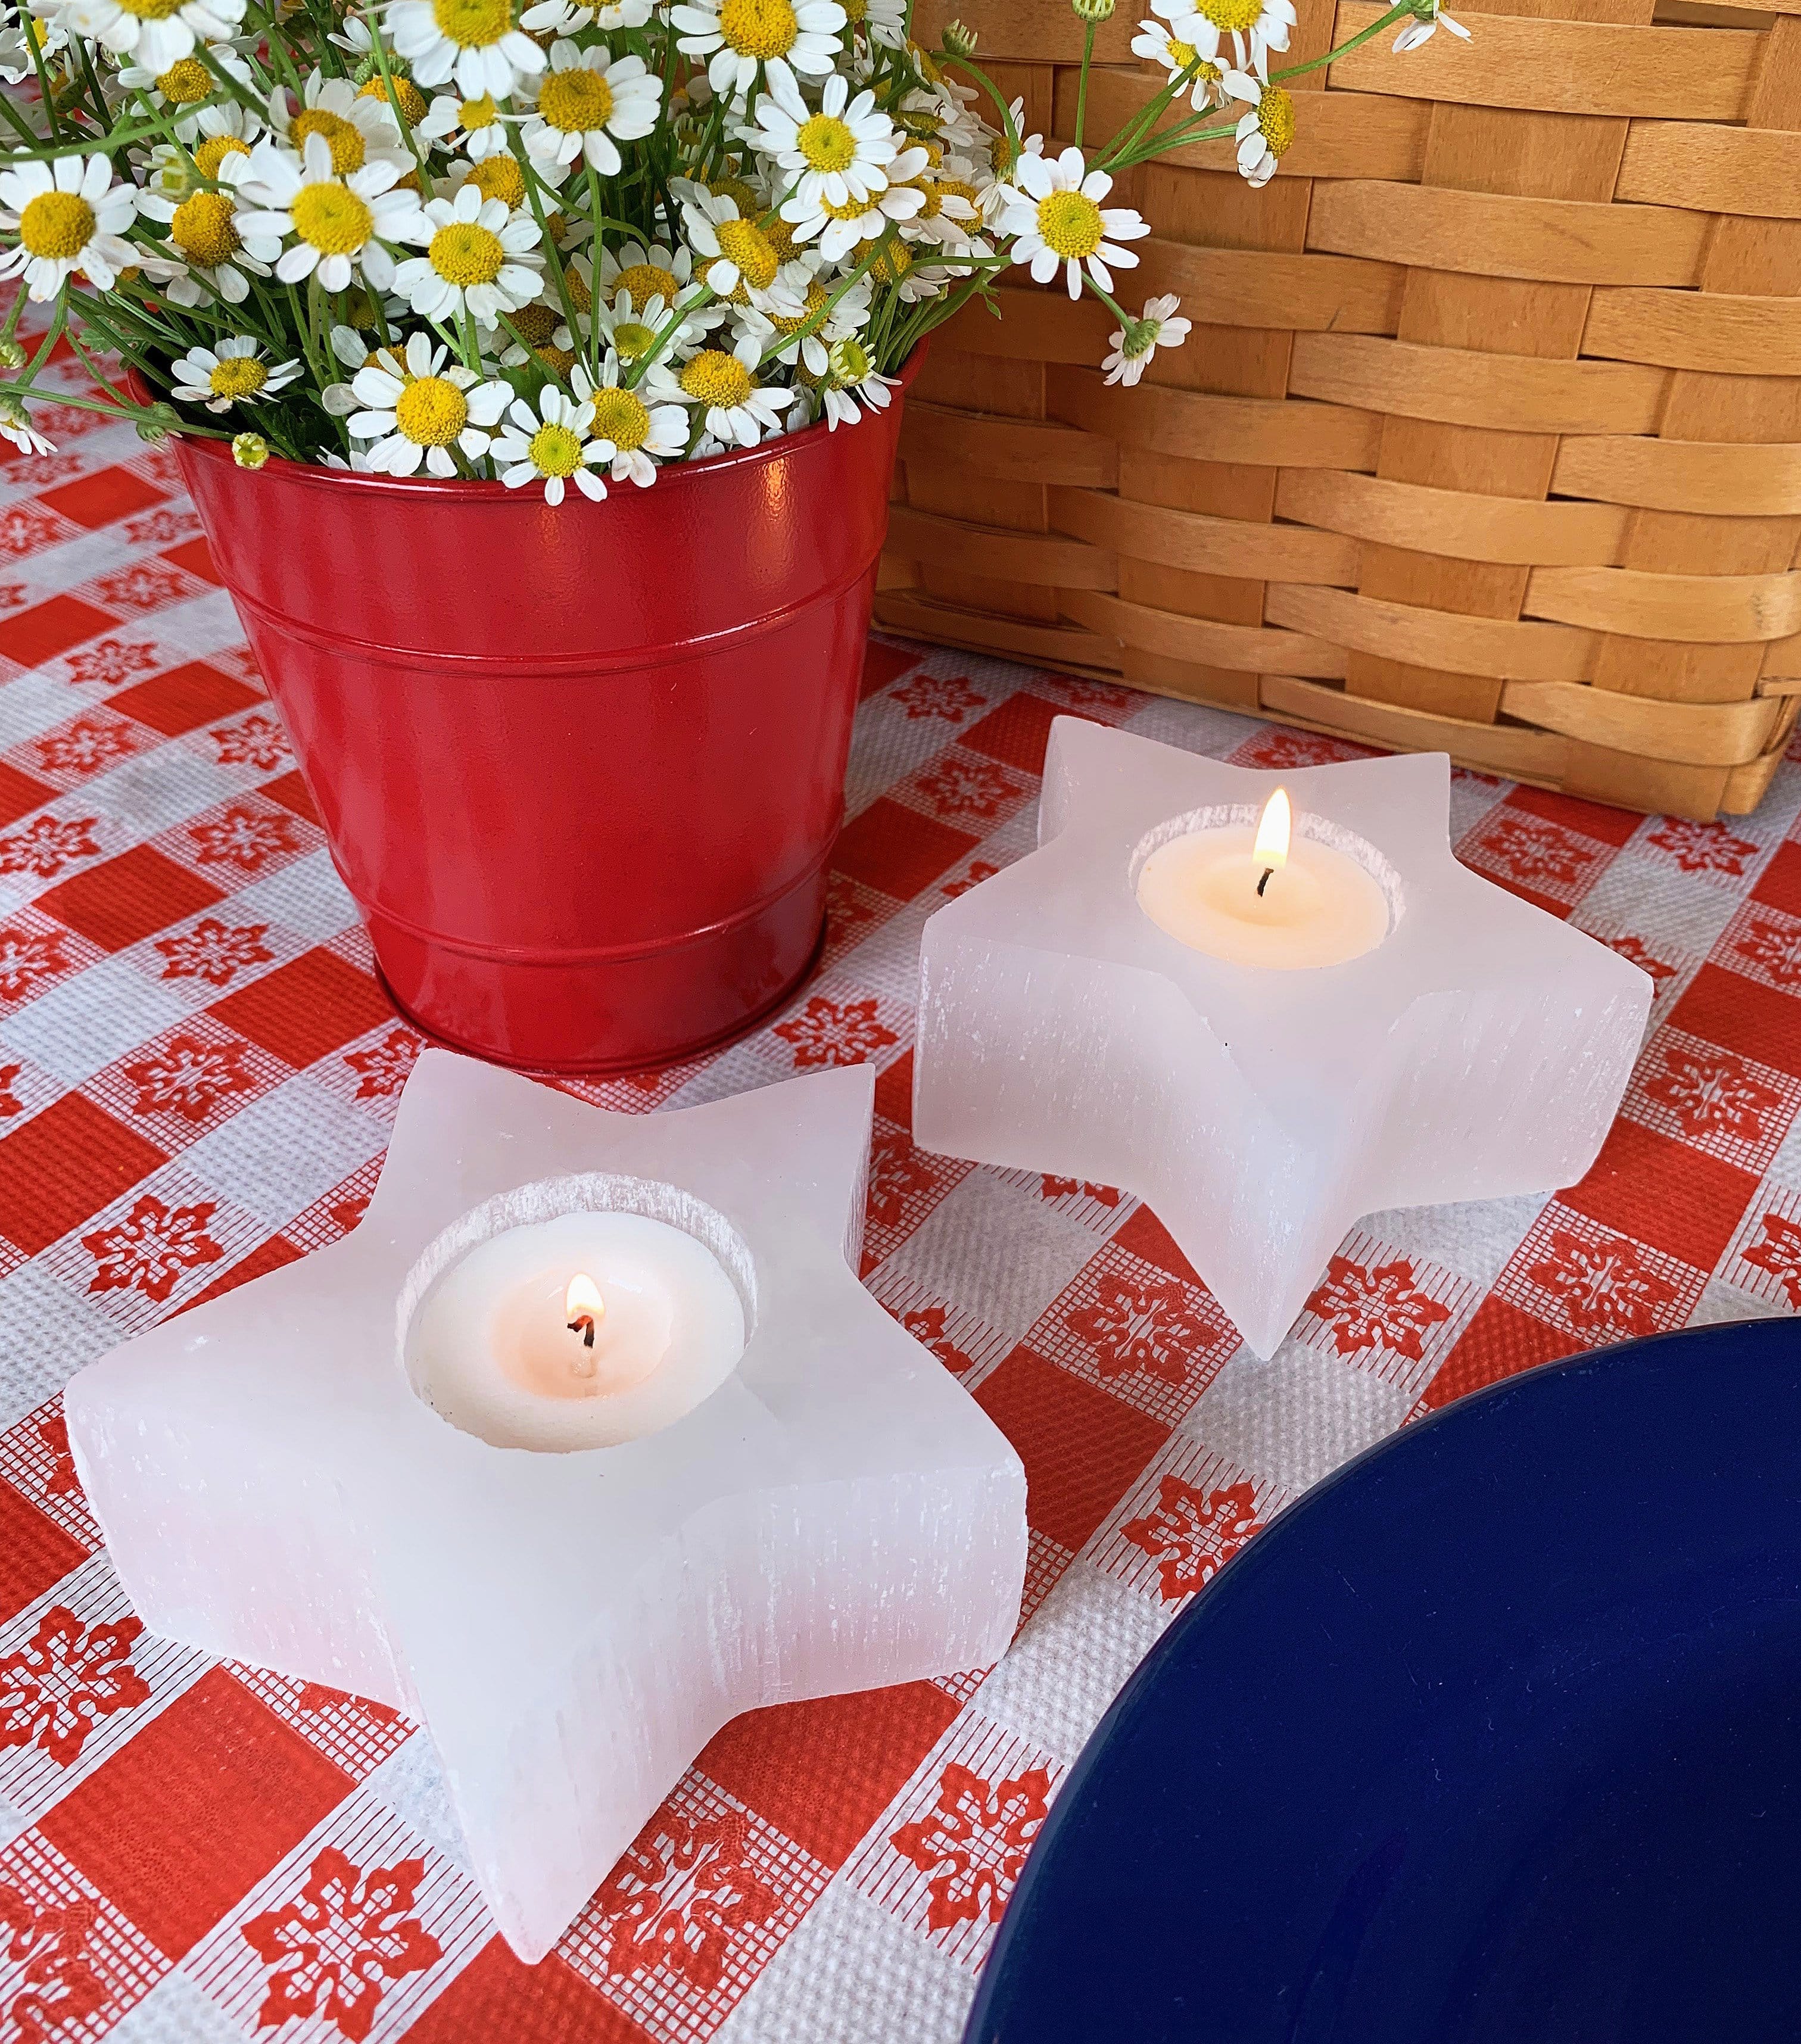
<point>197,1075</point>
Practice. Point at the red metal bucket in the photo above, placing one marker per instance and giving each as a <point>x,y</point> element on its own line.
<point>580,768</point>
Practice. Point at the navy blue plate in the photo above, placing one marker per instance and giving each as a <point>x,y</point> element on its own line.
<point>1493,1738</point>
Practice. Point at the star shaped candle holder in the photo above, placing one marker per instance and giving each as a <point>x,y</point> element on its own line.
<point>1116,1007</point>
<point>573,1527</point>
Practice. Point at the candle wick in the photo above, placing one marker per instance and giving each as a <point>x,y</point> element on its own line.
<point>1265,881</point>
<point>585,1323</point>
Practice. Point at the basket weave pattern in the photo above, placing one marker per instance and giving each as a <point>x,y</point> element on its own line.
<point>1491,441</point>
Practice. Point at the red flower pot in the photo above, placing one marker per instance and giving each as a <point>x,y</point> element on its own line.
<point>580,768</point>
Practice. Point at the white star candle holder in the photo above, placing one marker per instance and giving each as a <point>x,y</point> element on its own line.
<point>1382,1027</point>
<point>402,1466</point>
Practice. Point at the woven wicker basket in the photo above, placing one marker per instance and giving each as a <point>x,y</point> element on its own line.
<point>1492,443</point>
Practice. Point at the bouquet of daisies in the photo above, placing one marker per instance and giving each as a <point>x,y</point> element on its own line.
<point>559,244</point>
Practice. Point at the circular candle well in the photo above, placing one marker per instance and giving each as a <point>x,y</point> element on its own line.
<point>1335,897</point>
<point>499,1335</point>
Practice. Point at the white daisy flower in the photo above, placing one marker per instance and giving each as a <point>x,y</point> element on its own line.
<point>1135,343</point>
<point>1168,46</point>
<point>357,129</point>
<point>474,126</point>
<point>473,41</point>
<point>1255,26</point>
<point>1057,219</point>
<point>234,375</point>
<point>737,37</point>
<point>647,272</point>
<point>810,296</point>
<point>549,19</point>
<point>742,263</point>
<point>417,409</point>
<point>737,409</point>
<point>838,229</point>
<point>952,211</point>
<point>16,426</point>
<point>639,435</point>
<point>881,22</point>
<point>479,255</point>
<point>339,225</point>
<point>553,445</point>
<point>852,375</point>
<point>213,134</point>
<point>621,14</point>
<point>156,41</point>
<point>631,333</point>
<point>1266,133</point>
<point>207,231</point>
<point>840,154</point>
<point>1420,29</point>
<point>1006,159</point>
<point>69,216</point>
<point>358,462</point>
<point>25,32</point>
<point>584,101</point>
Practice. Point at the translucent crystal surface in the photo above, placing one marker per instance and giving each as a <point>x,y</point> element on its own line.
<point>1480,1049</point>
<point>572,1628</point>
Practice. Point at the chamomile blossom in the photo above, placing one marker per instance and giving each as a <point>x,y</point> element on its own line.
<point>839,153</point>
<point>480,256</point>
<point>215,133</point>
<point>586,103</point>
<point>544,336</point>
<point>1420,29</point>
<point>1265,131</point>
<point>631,331</point>
<point>474,126</point>
<point>129,28</point>
<point>742,263</point>
<point>339,225</point>
<point>1167,46</point>
<point>473,41</point>
<point>810,296</point>
<point>418,406</point>
<point>647,270</point>
<point>69,217</point>
<point>851,375</point>
<point>357,129</point>
<point>882,23</point>
<point>234,373</point>
<point>952,211</point>
<point>220,253</point>
<point>1058,222</point>
<point>1135,343</point>
<point>639,435</point>
<point>838,229</point>
<point>734,407</point>
<point>22,35</point>
<point>16,426</point>
<point>1255,26</point>
<point>737,37</point>
<point>554,445</point>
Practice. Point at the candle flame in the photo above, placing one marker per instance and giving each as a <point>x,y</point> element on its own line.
<point>582,1301</point>
<point>1271,850</point>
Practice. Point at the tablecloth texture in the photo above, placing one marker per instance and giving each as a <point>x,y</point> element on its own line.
<point>197,1075</point>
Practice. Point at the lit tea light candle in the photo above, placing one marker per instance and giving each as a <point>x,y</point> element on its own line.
<point>1266,897</point>
<point>578,1332</point>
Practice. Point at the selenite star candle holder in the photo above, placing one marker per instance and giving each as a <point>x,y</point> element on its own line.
<point>1378,1027</point>
<point>585,1441</point>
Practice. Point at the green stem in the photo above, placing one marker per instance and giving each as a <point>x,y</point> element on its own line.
<point>1081,83</point>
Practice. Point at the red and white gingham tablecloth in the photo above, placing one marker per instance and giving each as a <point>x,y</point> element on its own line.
<point>197,1075</point>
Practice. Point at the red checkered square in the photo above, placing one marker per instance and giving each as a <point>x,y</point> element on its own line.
<point>1547,862</point>
<point>1748,1016</point>
<point>195,558</point>
<point>36,1553</point>
<point>36,953</point>
<point>289,792</point>
<point>1779,885</point>
<point>1017,732</point>
<point>905,1185</point>
<point>694,1910</point>
<point>894,1091</point>
<point>20,793</point>
<point>124,900</point>
<point>36,1461</point>
<point>1571,813</point>
<point>195,694</point>
<point>274,1254</point>
<point>1183,1521</point>
<point>1393,1315</point>
<point>1629,1190</point>
<point>303,1010</point>
<point>883,664</point>
<point>1137,1331</point>
<point>1764,1257</point>
<point>71,1966</point>
<point>498,1996</point>
<point>1596,1285</point>
<point>966,789</point>
<point>176,1086</point>
<point>1081,1446</point>
<point>216,952</point>
<point>897,851</point>
<point>1730,1106</point>
<point>62,1166</point>
<point>948,1855</point>
<point>355,1733</point>
<point>101,497</point>
<point>1500,1340</point>
<point>1765,944</point>
<point>1142,1235</point>
<point>31,637</point>
<point>180,1823</point>
<point>823,1772</point>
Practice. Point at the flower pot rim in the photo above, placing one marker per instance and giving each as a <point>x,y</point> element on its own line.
<point>464,489</point>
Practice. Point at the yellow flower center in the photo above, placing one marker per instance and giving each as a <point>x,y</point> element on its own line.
<point>203,231</point>
<point>579,295</point>
<point>431,411</point>
<point>717,378</point>
<point>645,280</point>
<point>779,236</point>
<point>760,28</point>
<point>1230,15</point>
<point>465,253</point>
<point>816,302</point>
<point>555,450</point>
<point>186,83</point>
<point>735,189</point>
<point>849,361</point>
<point>622,417</point>
<point>1276,118</point>
<point>559,361</point>
<point>573,102</point>
<point>56,224</point>
<point>150,10</point>
<point>631,340</point>
<point>238,376</point>
<point>928,71</point>
<point>1182,55</point>
<point>739,242</point>
<point>827,143</point>
<point>1069,224</point>
<point>207,155</point>
<point>852,210</point>
<point>331,218</point>
<point>500,177</point>
<point>856,11</point>
<point>472,24</point>
<point>893,263</point>
<point>412,100</point>
<point>956,188</point>
<point>534,323</point>
<point>475,113</point>
<point>343,136</point>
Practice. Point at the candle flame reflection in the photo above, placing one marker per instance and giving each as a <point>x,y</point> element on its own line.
<point>583,1308</point>
<point>1273,832</point>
